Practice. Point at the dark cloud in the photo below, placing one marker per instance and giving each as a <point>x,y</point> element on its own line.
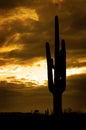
<point>79,21</point>
<point>76,58</point>
<point>76,83</point>
<point>9,4</point>
<point>4,34</point>
<point>15,3</point>
<point>74,96</point>
<point>3,62</point>
<point>34,34</point>
<point>73,27</point>
<point>18,98</point>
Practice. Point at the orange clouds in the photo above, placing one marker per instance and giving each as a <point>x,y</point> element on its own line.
<point>36,73</point>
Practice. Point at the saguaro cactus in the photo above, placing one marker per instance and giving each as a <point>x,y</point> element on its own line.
<point>56,80</point>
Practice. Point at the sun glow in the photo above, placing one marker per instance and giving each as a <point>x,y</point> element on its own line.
<point>36,73</point>
<point>24,74</point>
<point>76,71</point>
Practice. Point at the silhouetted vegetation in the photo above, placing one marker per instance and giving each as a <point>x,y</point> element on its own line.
<point>43,121</point>
<point>56,87</point>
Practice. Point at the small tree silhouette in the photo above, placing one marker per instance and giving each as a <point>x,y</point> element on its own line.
<point>57,87</point>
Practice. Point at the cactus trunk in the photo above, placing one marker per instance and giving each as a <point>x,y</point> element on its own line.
<point>57,87</point>
<point>57,104</point>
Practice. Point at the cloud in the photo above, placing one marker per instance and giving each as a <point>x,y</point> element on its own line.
<point>72,23</point>
<point>18,98</point>
<point>76,58</point>
<point>76,83</point>
<point>33,29</point>
<point>27,36</point>
<point>9,4</point>
<point>74,95</point>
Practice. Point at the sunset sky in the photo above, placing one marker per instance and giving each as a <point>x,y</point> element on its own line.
<point>25,27</point>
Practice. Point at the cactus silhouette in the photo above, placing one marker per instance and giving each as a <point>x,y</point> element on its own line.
<point>56,80</point>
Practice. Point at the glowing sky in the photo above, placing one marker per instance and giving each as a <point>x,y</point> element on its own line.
<point>37,73</point>
<point>25,27</point>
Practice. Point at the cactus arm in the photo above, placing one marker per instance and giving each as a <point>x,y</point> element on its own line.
<point>49,68</point>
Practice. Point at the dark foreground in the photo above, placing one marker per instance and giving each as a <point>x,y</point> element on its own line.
<point>41,121</point>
